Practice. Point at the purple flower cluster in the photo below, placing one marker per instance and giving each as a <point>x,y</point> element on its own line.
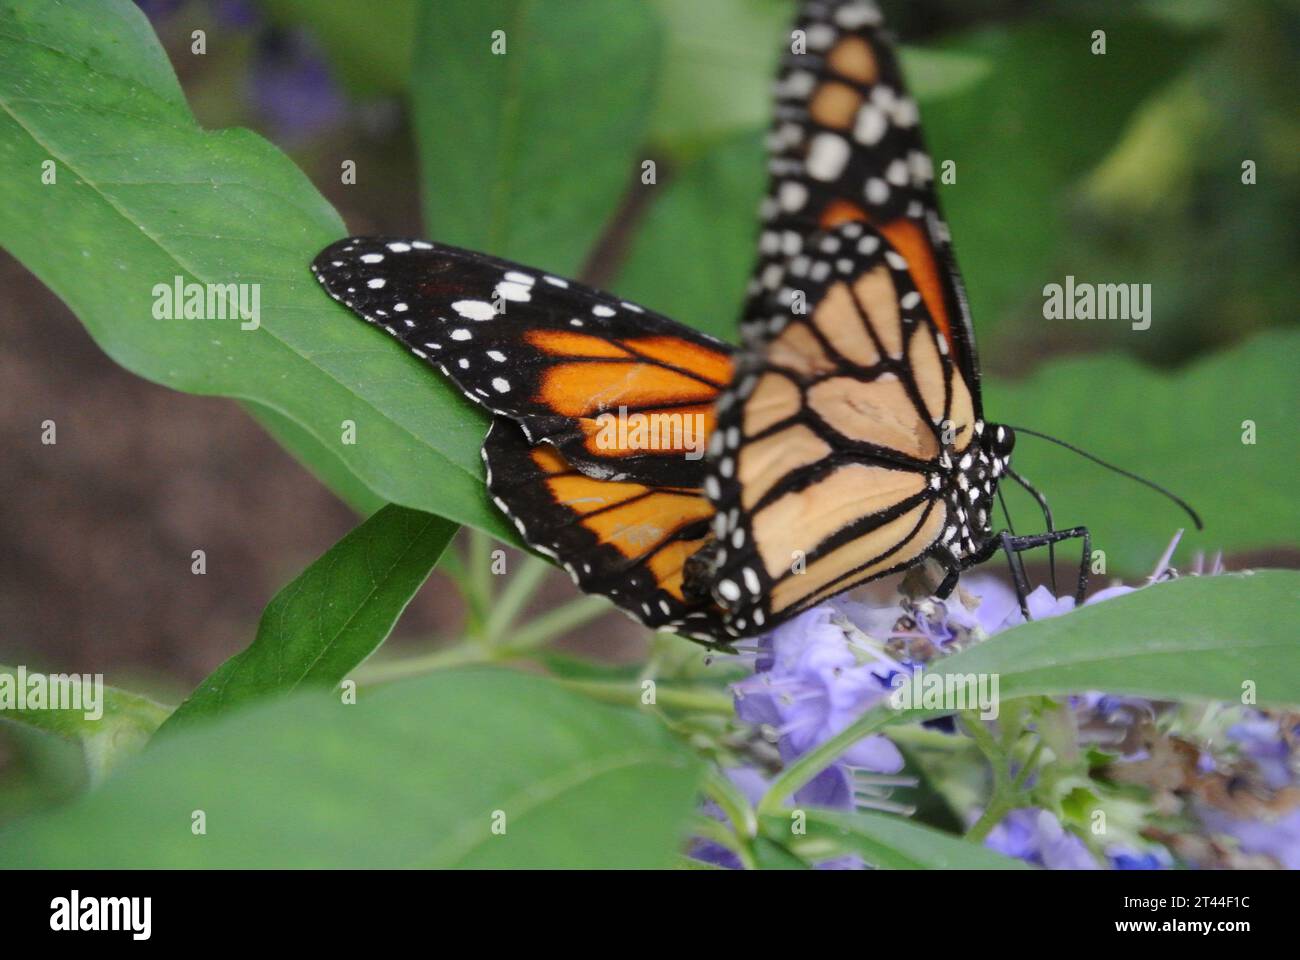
<point>817,674</point>
<point>814,677</point>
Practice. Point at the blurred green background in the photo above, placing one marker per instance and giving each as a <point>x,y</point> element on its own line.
<point>1122,169</point>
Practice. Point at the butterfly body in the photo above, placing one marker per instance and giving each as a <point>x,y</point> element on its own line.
<point>846,438</point>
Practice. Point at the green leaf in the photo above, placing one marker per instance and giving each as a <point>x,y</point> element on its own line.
<point>1046,112</point>
<point>124,724</point>
<point>526,154</point>
<point>410,776</point>
<point>694,250</point>
<point>883,841</point>
<point>143,195</point>
<point>323,462</point>
<point>1183,430</point>
<point>720,60</point>
<point>770,855</point>
<point>333,616</point>
<point>1192,638</point>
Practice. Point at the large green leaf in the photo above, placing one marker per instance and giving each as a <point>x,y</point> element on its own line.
<point>1184,430</point>
<point>1196,637</point>
<point>321,460</point>
<point>333,616</point>
<point>883,841</point>
<point>143,195</point>
<point>410,776</point>
<point>526,153</point>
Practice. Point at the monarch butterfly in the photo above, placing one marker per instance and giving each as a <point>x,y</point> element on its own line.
<point>846,438</point>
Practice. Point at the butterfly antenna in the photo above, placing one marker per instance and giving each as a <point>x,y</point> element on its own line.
<point>1187,507</point>
<point>1047,518</point>
<point>1011,528</point>
<point>1006,513</point>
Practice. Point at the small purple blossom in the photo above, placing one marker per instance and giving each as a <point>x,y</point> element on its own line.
<point>1037,837</point>
<point>240,14</point>
<point>1126,858</point>
<point>815,676</point>
<point>293,86</point>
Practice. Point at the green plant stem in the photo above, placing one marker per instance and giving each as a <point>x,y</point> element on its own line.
<point>699,699</point>
<point>732,802</point>
<point>1002,799</point>
<point>817,759</point>
<point>538,633</point>
<point>710,829</point>
<point>1030,762</point>
<point>553,624</point>
<point>478,582</point>
<point>385,671</point>
<point>519,590</point>
<point>452,566</point>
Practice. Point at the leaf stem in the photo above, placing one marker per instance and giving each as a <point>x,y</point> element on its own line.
<point>553,624</point>
<point>520,589</point>
<point>732,802</point>
<point>1002,798</point>
<point>709,829</point>
<point>541,631</point>
<point>384,671</point>
<point>478,582</point>
<point>1030,762</point>
<point>699,699</point>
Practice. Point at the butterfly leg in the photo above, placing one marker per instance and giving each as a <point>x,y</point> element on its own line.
<point>952,570</point>
<point>1015,545</point>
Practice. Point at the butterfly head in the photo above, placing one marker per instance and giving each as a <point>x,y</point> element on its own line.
<point>1000,441</point>
<point>973,486</point>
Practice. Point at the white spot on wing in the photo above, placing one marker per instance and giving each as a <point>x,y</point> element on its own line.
<point>474,309</point>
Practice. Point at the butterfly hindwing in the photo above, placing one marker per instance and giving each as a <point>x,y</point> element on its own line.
<point>834,448</point>
<point>628,541</point>
<point>565,361</point>
<point>846,144</point>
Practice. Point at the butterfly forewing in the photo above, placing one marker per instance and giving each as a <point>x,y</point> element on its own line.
<point>575,367</point>
<point>830,463</point>
<point>846,145</point>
